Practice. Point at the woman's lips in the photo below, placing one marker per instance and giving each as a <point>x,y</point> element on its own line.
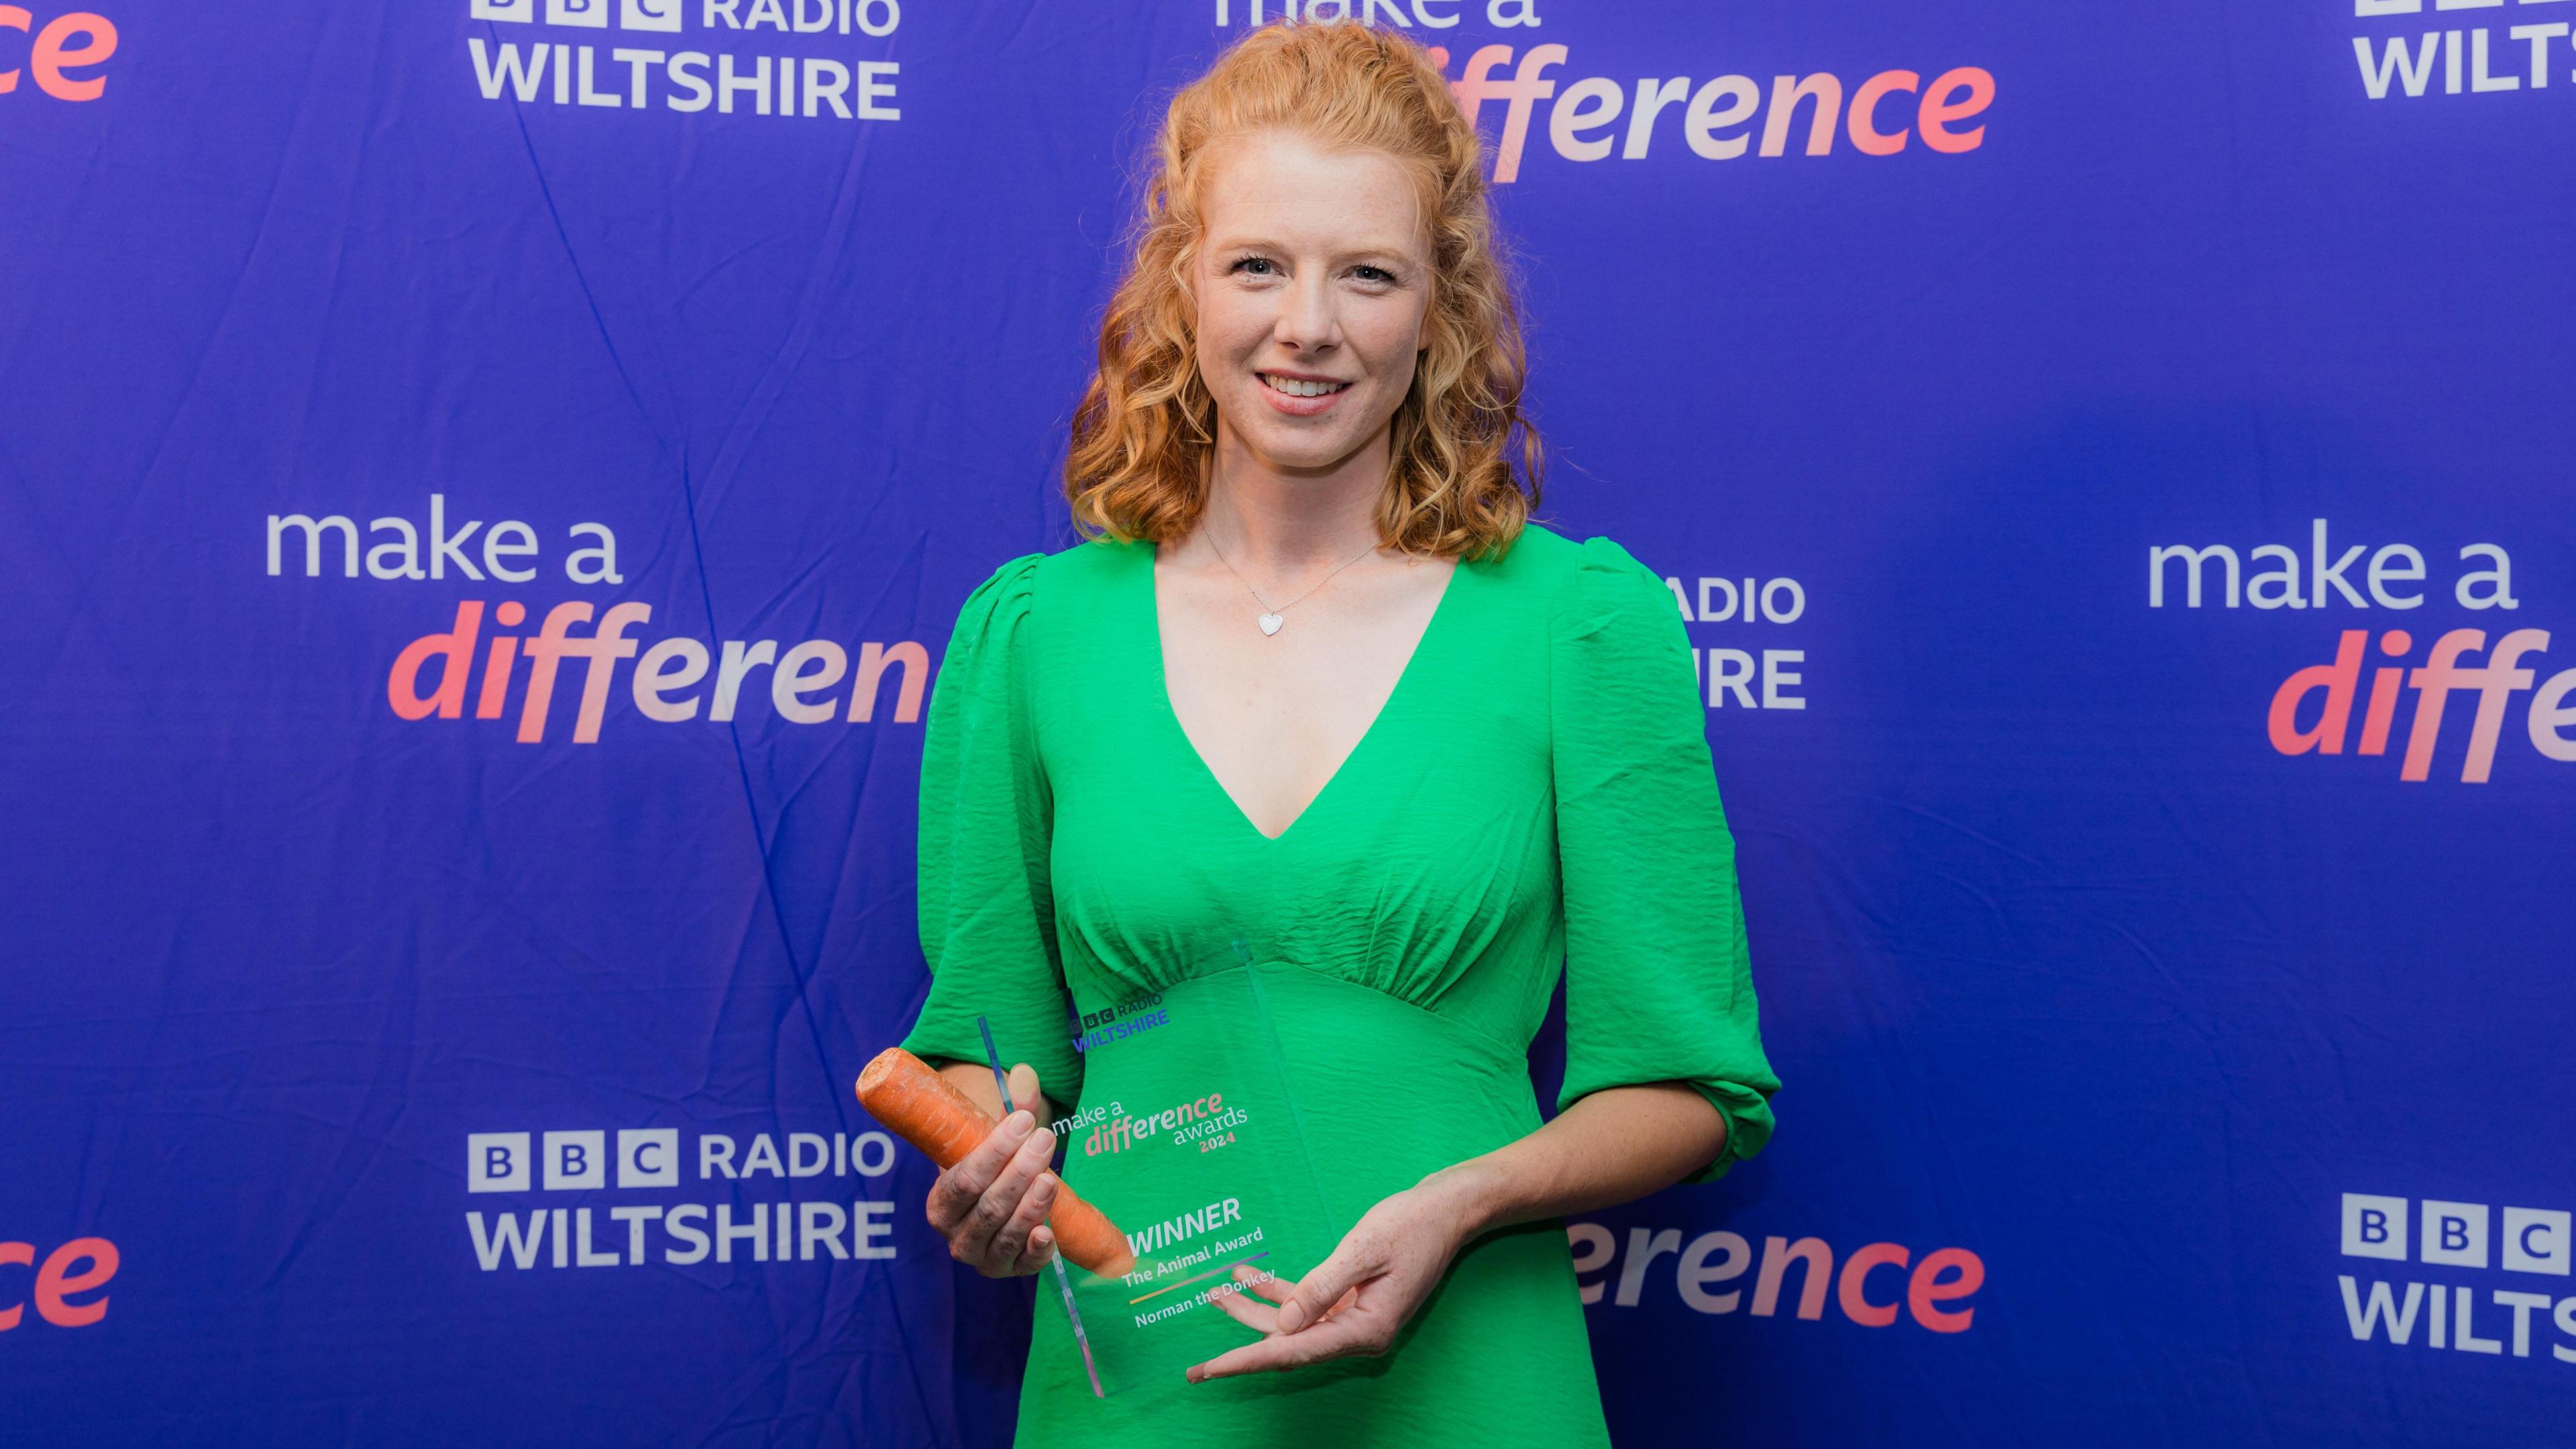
<point>1296,404</point>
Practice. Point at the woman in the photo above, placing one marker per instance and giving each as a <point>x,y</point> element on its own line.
<point>1314,677</point>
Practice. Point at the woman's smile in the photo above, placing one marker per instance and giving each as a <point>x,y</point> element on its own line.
<point>1300,395</point>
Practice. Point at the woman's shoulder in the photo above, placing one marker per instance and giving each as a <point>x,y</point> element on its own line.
<point>1584,580</point>
<point>1013,591</point>
<point>998,605</point>
<point>1092,563</point>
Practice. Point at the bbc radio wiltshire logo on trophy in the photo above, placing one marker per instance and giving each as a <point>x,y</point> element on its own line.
<point>791,59</point>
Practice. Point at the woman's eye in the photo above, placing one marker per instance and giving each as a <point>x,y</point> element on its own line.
<point>1375,276</point>
<point>1256,267</point>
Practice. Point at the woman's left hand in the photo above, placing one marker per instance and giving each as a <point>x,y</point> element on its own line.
<point>1355,1301</point>
<point>1610,1146</point>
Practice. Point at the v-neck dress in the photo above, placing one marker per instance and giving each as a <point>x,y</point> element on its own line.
<point>1535,795</point>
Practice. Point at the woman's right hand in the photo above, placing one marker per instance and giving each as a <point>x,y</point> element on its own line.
<point>992,1206</point>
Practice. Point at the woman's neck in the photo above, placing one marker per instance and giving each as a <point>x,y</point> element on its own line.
<point>1282,521</point>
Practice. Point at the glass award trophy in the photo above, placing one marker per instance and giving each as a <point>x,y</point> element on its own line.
<point>1188,1137</point>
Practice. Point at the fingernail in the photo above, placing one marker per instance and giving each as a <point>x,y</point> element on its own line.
<point>1018,1123</point>
<point>1292,1317</point>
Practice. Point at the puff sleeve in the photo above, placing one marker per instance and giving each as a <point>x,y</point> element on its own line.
<point>987,913</point>
<point>1657,983</point>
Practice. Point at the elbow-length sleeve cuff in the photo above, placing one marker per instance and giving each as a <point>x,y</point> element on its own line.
<point>1658,983</point>
<point>987,911</point>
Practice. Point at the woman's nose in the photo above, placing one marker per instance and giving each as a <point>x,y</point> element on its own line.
<point>1307,321</point>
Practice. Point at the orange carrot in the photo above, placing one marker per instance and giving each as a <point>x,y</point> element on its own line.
<point>926,1109</point>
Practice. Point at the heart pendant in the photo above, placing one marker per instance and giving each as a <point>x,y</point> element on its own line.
<point>1270,623</point>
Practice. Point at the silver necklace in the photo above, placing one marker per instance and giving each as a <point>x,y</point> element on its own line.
<point>1272,619</point>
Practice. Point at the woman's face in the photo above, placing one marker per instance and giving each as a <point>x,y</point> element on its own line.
<point>1312,280</point>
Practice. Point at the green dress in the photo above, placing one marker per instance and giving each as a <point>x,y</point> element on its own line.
<point>1536,794</point>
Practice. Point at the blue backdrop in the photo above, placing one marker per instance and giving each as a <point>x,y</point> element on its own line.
<point>2113,464</point>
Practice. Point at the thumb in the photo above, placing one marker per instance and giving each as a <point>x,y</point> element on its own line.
<point>1024,1089</point>
<point>1321,1289</point>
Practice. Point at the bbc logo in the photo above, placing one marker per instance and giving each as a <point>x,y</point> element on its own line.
<point>502,1161</point>
<point>2455,1234</point>
<point>663,15</point>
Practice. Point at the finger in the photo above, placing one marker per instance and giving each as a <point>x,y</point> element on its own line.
<point>979,1239</point>
<point>1268,1285</point>
<point>958,1189</point>
<point>1336,1338</point>
<point>1320,1291</point>
<point>1041,1249</point>
<point>1249,1311</point>
<point>1024,1089</point>
<point>955,1192</point>
<point>1278,1290</point>
<point>1011,1244</point>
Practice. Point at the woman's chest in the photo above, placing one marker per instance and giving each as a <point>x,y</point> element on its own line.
<point>1431,840</point>
<point>1272,703</point>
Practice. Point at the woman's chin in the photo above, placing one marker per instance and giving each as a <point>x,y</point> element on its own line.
<point>1303,457</point>
<point>1298,445</point>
